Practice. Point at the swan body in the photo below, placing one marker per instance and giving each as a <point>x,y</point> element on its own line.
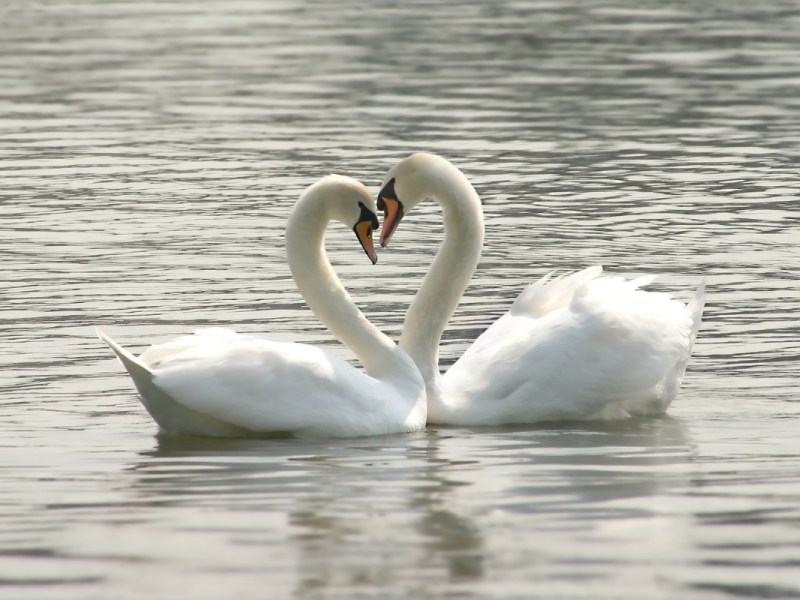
<point>221,383</point>
<point>599,347</point>
<point>580,346</point>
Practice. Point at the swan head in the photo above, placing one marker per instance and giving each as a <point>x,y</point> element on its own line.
<point>407,184</point>
<point>347,200</point>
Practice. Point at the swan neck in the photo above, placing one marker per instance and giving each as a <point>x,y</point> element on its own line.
<point>451,271</point>
<point>325,295</point>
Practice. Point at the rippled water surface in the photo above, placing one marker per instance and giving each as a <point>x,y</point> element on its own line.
<point>151,152</point>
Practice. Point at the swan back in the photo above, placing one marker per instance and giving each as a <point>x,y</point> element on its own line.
<point>270,385</point>
<point>548,293</point>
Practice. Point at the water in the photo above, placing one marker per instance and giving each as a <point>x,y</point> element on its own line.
<point>150,155</point>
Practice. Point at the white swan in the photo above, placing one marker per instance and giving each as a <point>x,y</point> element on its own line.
<point>220,383</point>
<point>574,347</point>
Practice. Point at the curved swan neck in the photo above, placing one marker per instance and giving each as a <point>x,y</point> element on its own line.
<point>324,293</point>
<point>449,275</point>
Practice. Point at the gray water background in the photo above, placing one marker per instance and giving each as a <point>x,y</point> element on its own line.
<point>149,155</point>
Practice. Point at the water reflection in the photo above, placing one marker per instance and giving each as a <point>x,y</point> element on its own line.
<point>361,513</point>
<point>151,152</point>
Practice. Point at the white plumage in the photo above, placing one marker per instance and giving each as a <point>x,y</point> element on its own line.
<point>221,383</point>
<point>580,346</point>
<point>606,349</point>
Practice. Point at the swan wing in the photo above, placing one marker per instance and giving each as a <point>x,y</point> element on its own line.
<point>256,384</point>
<point>549,293</point>
<point>611,342</point>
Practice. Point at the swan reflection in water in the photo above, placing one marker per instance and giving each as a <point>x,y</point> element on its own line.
<point>430,508</point>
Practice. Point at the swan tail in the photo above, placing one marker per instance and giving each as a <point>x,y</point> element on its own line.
<point>695,308</point>
<point>672,382</point>
<point>662,395</point>
<point>170,414</point>
<point>138,371</point>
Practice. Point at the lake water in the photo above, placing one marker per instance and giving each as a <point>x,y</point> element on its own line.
<point>151,152</point>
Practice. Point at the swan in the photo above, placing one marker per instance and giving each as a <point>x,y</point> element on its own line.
<point>580,346</point>
<point>217,382</point>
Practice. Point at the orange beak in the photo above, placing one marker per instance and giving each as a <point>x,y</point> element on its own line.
<point>392,215</point>
<point>363,231</point>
